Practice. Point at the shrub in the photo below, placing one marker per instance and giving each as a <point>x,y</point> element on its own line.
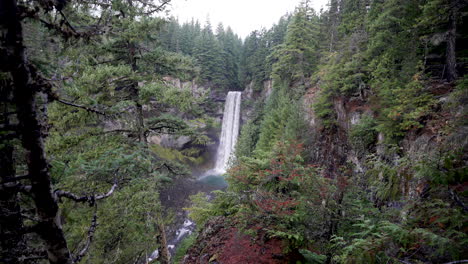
<point>363,135</point>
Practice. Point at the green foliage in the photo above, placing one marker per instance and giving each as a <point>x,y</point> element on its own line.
<point>312,257</point>
<point>202,209</point>
<point>387,180</point>
<point>363,135</point>
<point>173,155</point>
<point>216,55</point>
<point>296,58</point>
<point>323,109</point>
<point>403,108</point>
<point>344,73</point>
<point>446,168</point>
<point>256,61</point>
<point>283,119</point>
<point>253,61</point>
<point>374,51</point>
<point>248,138</point>
<point>383,241</point>
<point>117,73</point>
<point>357,53</point>
<point>128,223</point>
<point>184,246</point>
<point>281,193</point>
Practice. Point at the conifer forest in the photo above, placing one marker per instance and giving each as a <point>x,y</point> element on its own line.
<point>333,136</point>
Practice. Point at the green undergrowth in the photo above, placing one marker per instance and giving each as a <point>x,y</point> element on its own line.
<point>184,246</point>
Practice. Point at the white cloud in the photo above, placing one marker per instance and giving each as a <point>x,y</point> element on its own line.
<point>243,16</point>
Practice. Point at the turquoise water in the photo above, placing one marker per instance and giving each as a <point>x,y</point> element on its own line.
<point>214,181</point>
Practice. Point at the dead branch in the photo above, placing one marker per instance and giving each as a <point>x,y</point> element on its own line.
<point>156,8</point>
<point>16,186</point>
<point>457,200</point>
<point>89,109</point>
<point>89,239</point>
<point>34,257</point>
<point>82,199</point>
<point>120,131</point>
<point>457,262</point>
<point>14,179</point>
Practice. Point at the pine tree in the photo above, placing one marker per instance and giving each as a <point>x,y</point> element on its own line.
<point>297,57</point>
<point>443,17</point>
<point>208,54</point>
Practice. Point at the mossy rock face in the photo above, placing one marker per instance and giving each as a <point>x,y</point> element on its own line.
<point>177,155</point>
<point>175,142</point>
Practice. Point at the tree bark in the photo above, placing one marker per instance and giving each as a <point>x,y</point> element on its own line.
<point>26,83</point>
<point>140,125</point>
<point>140,122</point>
<point>164,257</point>
<point>451,58</point>
<point>11,223</point>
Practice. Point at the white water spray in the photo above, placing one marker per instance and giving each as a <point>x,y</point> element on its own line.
<point>229,132</point>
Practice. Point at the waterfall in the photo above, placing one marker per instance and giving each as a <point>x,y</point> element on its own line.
<point>229,132</point>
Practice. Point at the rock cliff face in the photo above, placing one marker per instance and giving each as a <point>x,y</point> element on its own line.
<point>332,148</point>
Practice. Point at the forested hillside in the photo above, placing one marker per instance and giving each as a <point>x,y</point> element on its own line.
<point>356,146</point>
<point>353,146</point>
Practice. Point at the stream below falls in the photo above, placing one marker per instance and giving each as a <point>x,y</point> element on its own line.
<point>176,198</point>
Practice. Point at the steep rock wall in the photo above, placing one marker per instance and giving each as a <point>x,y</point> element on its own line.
<point>331,148</point>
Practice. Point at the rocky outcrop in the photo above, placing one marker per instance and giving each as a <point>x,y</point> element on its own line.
<point>197,90</point>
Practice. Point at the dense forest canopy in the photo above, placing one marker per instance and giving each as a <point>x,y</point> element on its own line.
<point>353,147</point>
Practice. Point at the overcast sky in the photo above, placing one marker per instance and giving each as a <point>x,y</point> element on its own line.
<point>243,16</point>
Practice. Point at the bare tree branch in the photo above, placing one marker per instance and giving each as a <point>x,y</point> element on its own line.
<point>14,179</point>
<point>120,131</point>
<point>16,186</point>
<point>33,256</point>
<point>156,8</point>
<point>404,261</point>
<point>457,200</point>
<point>81,106</point>
<point>90,199</point>
<point>89,239</point>
<point>137,260</point>
<point>457,262</point>
<point>109,193</point>
<point>65,20</point>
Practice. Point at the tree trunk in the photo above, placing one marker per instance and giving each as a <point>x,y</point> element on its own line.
<point>140,123</point>
<point>451,58</point>
<point>164,257</point>
<point>11,223</point>
<point>25,83</point>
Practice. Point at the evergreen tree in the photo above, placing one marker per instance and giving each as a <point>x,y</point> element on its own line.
<point>253,60</point>
<point>297,57</point>
<point>208,53</point>
<point>444,17</point>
